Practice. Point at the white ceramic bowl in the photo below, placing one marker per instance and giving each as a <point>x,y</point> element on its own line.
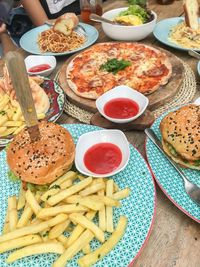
<point>122,91</point>
<point>126,33</point>
<point>87,140</point>
<point>34,60</point>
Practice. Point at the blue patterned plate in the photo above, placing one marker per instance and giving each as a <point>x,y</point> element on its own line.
<point>29,40</point>
<point>169,180</point>
<point>162,30</point>
<point>57,102</point>
<point>139,207</point>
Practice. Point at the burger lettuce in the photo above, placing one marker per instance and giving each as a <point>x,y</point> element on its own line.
<point>32,187</point>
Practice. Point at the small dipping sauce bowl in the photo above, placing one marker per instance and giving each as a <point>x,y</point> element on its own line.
<point>102,153</point>
<point>122,104</point>
<point>40,62</point>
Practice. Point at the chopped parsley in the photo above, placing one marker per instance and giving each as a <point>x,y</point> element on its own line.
<point>114,65</point>
<point>2,112</point>
<point>55,186</point>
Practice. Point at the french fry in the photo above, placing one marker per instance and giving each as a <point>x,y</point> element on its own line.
<point>13,123</point>
<point>17,114</point>
<point>8,131</point>
<point>92,189</point>
<point>122,194</point>
<point>40,116</point>
<point>116,187</point>
<point>108,201</point>
<point>84,222</point>
<point>63,239</point>
<point>25,217</point>
<point>2,129</point>
<point>50,193</point>
<point>21,199</point>
<point>73,199</point>
<point>40,248</point>
<point>19,242</point>
<point>91,203</point>
<point>102,213</point>
<point>6,227</point>
<point>46,212</point>
<point>70,175</point>
<point>100,252</point>
<point>12,212</point>
<point>58,229</point>
<point>78,245</point>
<point>66,184</point>
<point>4,101</point>
<point>78,230</point>
<point>109,210</point>
<point>86,249</point>
<point>19,129</point>
<point>33,229</point>
<point>69,191</point>
<point>31,200</point>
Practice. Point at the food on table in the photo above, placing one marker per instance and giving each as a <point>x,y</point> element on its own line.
<point>61,37</point>
<point>66,23</point>
<point>103,158</point>
<point>191,10</point>
<point>11,118</point>
<point>180,131</point>
<point>39,68</point>
<point>67,205</point>
<point>134,15</point>
<point>185,36</point>
<point>98,69</point>
<point>46,159</point>
<point>121,108</point>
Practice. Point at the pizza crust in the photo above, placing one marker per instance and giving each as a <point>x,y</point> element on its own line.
<point>92,94</point>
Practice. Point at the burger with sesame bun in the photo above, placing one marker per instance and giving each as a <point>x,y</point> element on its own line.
<point>180,132</point>
<point>43,161</point>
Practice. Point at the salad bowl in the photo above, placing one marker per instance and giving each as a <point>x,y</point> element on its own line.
<point>123,32</point>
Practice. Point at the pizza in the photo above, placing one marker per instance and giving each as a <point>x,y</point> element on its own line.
<point>106,65</point>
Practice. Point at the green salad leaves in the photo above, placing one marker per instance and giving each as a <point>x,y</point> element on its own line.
<point>114,65</point>
<point>142,13</point>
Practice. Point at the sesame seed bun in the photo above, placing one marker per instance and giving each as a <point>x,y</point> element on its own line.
<point>43,161</point>
<point>180,132</point>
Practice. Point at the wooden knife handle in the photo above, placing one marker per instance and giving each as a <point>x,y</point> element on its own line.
<point>17,71</point>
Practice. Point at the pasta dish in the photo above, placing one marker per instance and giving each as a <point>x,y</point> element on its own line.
<point>185,36</point>
<point>56,42</point>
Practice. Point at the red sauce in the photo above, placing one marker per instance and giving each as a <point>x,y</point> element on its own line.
<point>40,67</point>
<point>102,158</point>
<point>121,108</point>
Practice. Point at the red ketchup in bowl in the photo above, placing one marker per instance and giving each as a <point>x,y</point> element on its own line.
<point>102,158</point>
<point>121,108</point>
<point>39,68</point>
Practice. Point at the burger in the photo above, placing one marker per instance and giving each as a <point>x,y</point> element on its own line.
<point>42,161</point>
<point>180,132</point>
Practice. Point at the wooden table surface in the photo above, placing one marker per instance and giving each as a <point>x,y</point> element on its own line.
<point>175,238</point>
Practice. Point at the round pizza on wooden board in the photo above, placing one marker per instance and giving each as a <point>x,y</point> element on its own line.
<point>154,72</point>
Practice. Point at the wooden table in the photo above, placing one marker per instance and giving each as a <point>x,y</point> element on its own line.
<point>175,238</point>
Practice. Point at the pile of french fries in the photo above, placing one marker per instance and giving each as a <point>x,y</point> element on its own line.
<point>11,118</point>
<point>60,220</point>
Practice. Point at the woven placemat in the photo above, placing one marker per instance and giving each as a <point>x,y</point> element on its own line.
<point>184,95</point>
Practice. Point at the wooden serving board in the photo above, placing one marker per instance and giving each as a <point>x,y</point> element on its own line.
<point>141,123</point>
<point>157,99</point>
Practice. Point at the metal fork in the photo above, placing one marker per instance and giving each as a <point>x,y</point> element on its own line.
<point>191,189</point>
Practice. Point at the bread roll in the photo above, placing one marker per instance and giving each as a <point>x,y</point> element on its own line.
<point>191,10</point>
<point>66,23</point>
<point>42,161</point>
